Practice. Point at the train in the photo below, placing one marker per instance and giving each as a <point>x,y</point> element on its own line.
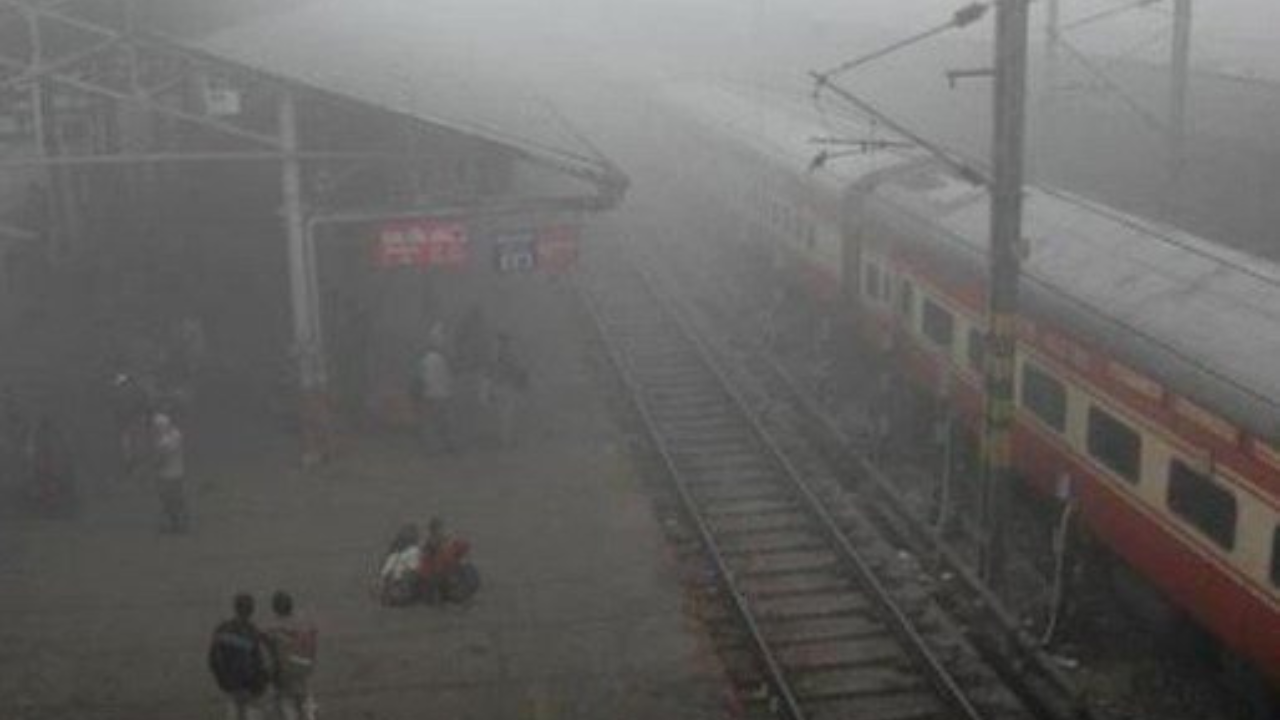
<point>1148,359</point>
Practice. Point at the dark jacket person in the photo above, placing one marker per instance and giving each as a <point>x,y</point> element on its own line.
<point>240,661</point>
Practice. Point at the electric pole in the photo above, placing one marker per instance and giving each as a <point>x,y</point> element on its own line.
<point>1181,69</point>
<point>1050,80</point>
<point>307,336</point>
<point>1008,151</point>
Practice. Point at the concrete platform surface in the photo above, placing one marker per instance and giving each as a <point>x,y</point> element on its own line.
<point>581,614</point>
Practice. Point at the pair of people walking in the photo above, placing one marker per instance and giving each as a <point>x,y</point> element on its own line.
<point>490,372</point>
<point>265,673</point>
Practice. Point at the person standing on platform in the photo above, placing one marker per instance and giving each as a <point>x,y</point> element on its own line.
<point>293,644</point>
<point>240,660</point>
<point>170,465</point>
<point>473,348</point>
<point>133,401</point>
<point>436,408</point>
<point>510,383</point>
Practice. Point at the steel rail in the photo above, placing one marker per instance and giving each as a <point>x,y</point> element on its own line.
<point>778,678</point>
<point>910,640</point>
<point>842,449</point>
<point>942,679</point>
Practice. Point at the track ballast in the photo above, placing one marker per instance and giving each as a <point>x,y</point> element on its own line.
<point>828,638</point>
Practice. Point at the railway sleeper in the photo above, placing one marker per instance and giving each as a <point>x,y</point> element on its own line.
<point>743,461</point>
<point>781,584</point>
<point>772,542</point>
<point>774,503</point>
<point>709,493</point>
<point>783,562</point>
<point>736,479</point>
<point>811,606</point>
<point>706,424</point>
<point>682,376</point>
<point>700,451</point>
<point>850,626</point>
<point>681,400</point>
<point>732,524</point>
<point>829,653</point>
<point>704,441</point>
<point>680,403</point>
<point>860,682</point>
<point>891,706</point>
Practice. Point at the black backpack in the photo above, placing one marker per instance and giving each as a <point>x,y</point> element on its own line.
<point>236,658</point>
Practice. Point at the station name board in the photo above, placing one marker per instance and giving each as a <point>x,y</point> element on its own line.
<point>421,243</point>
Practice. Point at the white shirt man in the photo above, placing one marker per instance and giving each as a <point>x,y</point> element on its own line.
<point>437,378</point>
<point>436,411</point>
<point>170,471</point>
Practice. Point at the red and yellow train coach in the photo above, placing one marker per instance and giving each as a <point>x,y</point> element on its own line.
<point>1148,370</point>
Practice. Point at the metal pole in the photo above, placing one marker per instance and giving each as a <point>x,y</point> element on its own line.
<point>1002,294</point>
<point>1051,80</point>
<point>1181,70</point>
<point>306,338</point>
<point>39,120</point>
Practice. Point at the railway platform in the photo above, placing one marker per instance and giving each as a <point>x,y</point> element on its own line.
<point>581,612</point>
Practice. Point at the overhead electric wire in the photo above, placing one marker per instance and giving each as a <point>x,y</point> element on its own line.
<point>967,170</point>
<point>964,169</point>
<point>961,18</point>
<point>1108,14</point>
<point>1131,52</point>
<point>1115,88</point>
<point>957,160</point>
<point>966,15</point>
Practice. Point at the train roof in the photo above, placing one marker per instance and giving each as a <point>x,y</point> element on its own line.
<point>1201,318</point>
<point>1211,312</point>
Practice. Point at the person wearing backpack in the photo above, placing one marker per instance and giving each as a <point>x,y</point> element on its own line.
<point>294,645</point>
<point>240,658</point>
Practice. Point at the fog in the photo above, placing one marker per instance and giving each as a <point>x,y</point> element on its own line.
<point>311,296</point>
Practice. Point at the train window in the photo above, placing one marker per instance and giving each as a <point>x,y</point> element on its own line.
<point>1115,445</point>
<point>906,297</point>
<point>1204,504</point>
<point>1044,396</point>
<point>1275,558</point>
<point>937,324</point>
<point>977,349</point>
<point>1208,506</point>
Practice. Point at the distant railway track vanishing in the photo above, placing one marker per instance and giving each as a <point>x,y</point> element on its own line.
<point>828,637</point>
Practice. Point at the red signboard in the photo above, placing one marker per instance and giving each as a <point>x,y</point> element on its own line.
<point>557,247</point>
<point>421,243</point>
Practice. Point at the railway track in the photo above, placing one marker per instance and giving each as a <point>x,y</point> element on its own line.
<point>827,635</point>
<point>804,427</point>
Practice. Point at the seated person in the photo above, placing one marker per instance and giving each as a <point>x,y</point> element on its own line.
<point>441,565</point>
<point>398,580</point>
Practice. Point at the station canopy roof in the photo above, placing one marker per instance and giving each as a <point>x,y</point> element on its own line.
<point>437,62</point>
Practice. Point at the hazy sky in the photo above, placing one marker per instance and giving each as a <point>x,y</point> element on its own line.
<point>1241,36</point>
<point>1236,35</point>
<point>1226,32</point>
<point>1244,18</point>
